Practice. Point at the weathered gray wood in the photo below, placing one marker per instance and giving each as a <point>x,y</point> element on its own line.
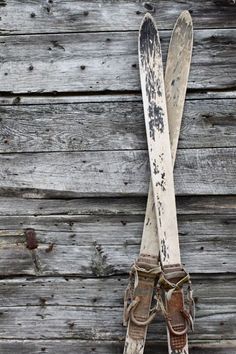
<point>16,259</point>
<point>218,205</point>
<point>107,292</point>
<point>102,323</point>
<point>88,206</point>
<point>96,245</point>
<point>72,127</point>
<point>113,173</point>
<point>55,303</point>
<point>206,205</point>
<point>109,126</point>
<point>107,245</point>
<point>105,347</point>
<point>74,230</point>
<point>105,61</point>
<point>71,16</point>
<point>12,99</point>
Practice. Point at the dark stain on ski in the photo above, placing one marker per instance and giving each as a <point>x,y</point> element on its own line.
<point>148,37</point>
<point>155,170</point>
<point>153,87</point>
<point>162,183</point>
<point>163,249</point>
<point>159,213</point>
<point>161,156</point>
<point>156,120</point>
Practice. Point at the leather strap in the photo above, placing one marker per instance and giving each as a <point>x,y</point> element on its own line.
<point>177,317</point>
<point>139,293</point>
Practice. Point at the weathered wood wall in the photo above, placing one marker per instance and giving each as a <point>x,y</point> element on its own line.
<point>73,166</point>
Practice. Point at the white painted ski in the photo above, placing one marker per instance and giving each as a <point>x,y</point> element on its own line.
<point>157,129</point>
<point>176,83</point>
<point>176,78</point>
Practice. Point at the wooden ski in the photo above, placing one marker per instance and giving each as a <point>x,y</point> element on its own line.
<point>147,266</point>
<point>173,275</point>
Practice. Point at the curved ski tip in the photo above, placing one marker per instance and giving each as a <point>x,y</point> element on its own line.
<point>185,15</point>
<point>147,18</point>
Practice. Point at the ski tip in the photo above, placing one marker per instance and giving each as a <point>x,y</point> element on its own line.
<point>184,25</point>
<point>186,17</point>
<point>147,22</point>
<point>148,35</point>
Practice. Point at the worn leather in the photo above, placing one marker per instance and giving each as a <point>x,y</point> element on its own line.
<point>175,308</point>
<point>144,291</point>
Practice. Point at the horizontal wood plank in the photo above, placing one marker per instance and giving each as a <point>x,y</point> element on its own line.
<point>75,305</point>
<point>102,323</point>
<point>110,126</point>
<point>194,205</point>
<point>104,292</point>
<point>106,347</point>
<point>95,246</point>
<point>113,173</point>
<point>100,97</point>
<point>105,61</point>
<point>74,16</point>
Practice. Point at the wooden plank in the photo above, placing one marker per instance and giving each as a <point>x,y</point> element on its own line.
<point>105,347</point>
<point>55,300</point>
<point>73,16</point>
<point>103,323</point>
<point>105,61</point>
<point>86,206</point>
<point>106,292</point>
<point>107,245</point>
<point>74,230</point>
<point>101,97</point>
<point>200,205</point>
<point>91,126</point>
<point>206,205</point>
<point>17,259</point>
<point>113,173</point>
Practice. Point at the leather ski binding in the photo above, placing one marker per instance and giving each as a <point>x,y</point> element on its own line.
<point>139,295</point>
<point>178,318</point>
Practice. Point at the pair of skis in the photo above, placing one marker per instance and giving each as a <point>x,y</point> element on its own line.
<point>158,277</point>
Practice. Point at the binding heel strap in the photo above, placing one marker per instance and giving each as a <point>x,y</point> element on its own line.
<point>179,314</point>
<point>139,296</point>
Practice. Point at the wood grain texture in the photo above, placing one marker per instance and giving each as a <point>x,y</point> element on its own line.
<point>88,237</point>
<point>74,16</point>
<point>75,291</point>
<point>107,245</point>
<point>194,205</point>
<point>101,323</point>
<point>113,173</point>
<point>57,308</point>
<point>100,97</point>
<point>105,61</point>
<point>109,126</point>
<point>104,347</point>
